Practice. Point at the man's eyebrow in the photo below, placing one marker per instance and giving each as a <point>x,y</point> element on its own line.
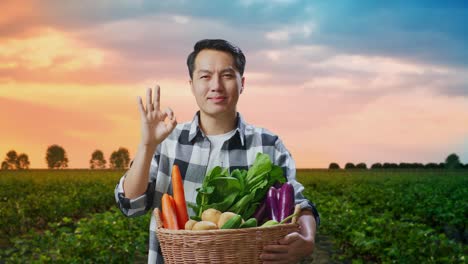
<point>203,71</point>
<point>231,70</point>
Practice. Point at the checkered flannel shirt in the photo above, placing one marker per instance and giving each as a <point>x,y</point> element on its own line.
<point>189,148</point>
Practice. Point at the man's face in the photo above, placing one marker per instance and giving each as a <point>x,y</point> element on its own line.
<point>216,83</point>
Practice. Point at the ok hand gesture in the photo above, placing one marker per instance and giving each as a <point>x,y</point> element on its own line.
<point>154,129</point>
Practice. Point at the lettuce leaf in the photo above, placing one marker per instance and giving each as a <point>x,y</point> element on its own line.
<point>240,191</point>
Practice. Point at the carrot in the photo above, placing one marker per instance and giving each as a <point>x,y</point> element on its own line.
<point>169,215</point>
<point>179,197</point>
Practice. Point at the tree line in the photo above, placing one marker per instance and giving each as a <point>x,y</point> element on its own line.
<point>451,162</point>
<point>56,158</point>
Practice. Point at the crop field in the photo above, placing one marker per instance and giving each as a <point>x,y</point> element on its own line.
<point>393,216</point>
<point>381,216</point>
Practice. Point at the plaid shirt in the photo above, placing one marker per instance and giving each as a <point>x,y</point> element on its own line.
<point>189,148</point>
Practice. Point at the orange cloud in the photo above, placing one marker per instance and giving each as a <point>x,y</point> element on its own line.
<point>49,50</point>
<point>13,15</point>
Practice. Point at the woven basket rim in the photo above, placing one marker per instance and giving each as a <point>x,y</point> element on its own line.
<point>160,228</point>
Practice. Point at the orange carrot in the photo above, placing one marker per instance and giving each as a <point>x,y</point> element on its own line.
<point>169,213</point>
<point>179,197</point>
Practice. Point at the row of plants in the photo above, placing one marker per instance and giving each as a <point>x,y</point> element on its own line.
<point>404,217</point>
<point>32,199</point>
<point>106,237</point>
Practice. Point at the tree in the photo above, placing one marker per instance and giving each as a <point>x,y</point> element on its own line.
<point>334,166</point>
<point>119,159</point>
<point>11,160</point>
<point>387,165</point>
<point>361,165</point>
<point>376,166</point>
<point>4,165</point>
<point>452,162</point>
<point>97,160</point>
<point>349,165</point>
<point>56,157</point>
<point>404,165</point>
<point>431,165</point>
<point>23,161</point>
<point>414,165</point>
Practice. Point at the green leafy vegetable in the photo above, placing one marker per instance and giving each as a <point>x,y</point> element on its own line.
<point>240,191</point>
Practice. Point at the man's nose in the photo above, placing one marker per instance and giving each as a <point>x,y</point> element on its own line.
<point>216,83</point>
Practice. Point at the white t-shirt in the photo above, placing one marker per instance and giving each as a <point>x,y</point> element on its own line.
<point>217,141</point>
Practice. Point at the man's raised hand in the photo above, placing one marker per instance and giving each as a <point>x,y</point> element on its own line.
<point>154,129</point>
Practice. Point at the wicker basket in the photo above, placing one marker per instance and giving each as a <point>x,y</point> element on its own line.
<point>218,246</point>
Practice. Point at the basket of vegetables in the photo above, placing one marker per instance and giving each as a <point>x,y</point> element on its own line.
<point>237,214</point>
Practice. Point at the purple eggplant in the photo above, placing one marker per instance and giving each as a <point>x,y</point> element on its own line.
<point>260,212</point>
<point>278,185</point>
<point>272,204</point>
<point>286,201</point>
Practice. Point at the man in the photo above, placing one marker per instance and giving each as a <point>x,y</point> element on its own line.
<point>217,136</point>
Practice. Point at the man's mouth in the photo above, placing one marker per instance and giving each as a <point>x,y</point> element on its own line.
<point>217,99</point>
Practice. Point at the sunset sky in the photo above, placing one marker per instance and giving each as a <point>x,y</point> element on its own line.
<point>338,81</point>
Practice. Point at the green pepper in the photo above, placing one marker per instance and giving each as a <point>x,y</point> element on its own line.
<point>252,222</point>
<point>233,223</point>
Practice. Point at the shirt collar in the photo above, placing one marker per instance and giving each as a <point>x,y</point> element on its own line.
<point>196,130</point>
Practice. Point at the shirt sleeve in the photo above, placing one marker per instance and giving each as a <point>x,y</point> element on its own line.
<point>139,205</point>
<point>136,206</point>
<point>284,159</point>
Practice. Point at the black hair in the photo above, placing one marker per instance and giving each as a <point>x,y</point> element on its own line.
<point>217,44</point>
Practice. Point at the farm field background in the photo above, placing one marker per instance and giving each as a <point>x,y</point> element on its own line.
<point>401,216</point>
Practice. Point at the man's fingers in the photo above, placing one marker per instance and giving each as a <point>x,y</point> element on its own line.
<point>275,248</point>
<point>169,113</point>
<point>289,238</point>
<point>172,124</point>
<point>141,108</point>
<point>149,103</point>
<point>274,257</point>
<point>157,95</point>
<point>166,113</point>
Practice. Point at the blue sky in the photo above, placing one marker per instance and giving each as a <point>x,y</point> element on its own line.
<point>425,30</point>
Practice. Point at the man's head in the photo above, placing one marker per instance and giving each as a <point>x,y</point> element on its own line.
<point>220,45</point>
<point>216,68</point>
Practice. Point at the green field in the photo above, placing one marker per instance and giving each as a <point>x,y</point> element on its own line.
<point>416,216</point>
<point>382,216</point>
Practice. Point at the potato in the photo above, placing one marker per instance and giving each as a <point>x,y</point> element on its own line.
<point>211,215</point>
<point>224,217</point>
<point>204,225</point>
<point>189,224</point>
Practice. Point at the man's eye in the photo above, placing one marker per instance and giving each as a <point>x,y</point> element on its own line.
<point>228,75</point>
<point>204,77</point>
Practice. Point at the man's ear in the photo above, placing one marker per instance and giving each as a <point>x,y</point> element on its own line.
<point>242,85</point>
